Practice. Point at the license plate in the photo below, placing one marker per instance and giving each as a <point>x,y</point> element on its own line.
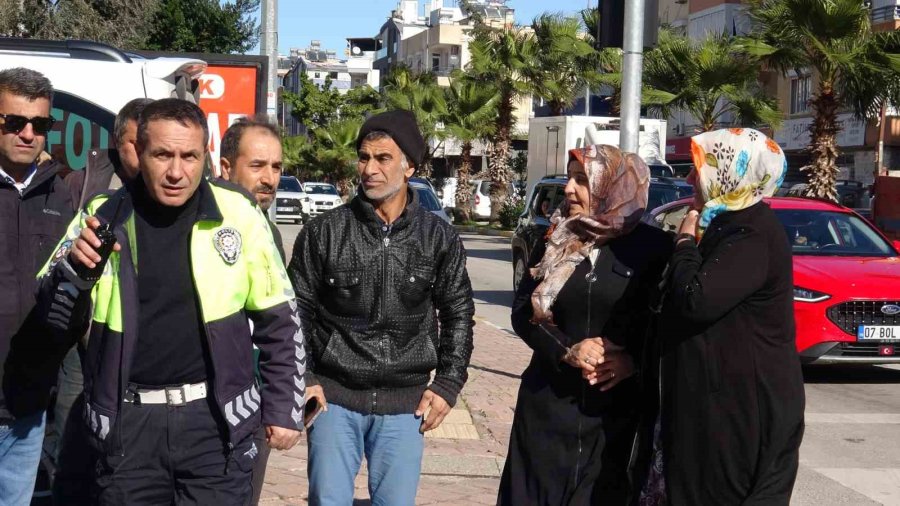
<point>284,209</point>
<point>878,333</point>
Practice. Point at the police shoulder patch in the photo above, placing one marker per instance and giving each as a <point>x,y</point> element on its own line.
<point>227,241</point>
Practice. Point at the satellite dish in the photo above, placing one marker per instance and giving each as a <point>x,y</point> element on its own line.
<point>356,50</point>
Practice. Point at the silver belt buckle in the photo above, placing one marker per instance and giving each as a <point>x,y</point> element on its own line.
<point>176,396</point>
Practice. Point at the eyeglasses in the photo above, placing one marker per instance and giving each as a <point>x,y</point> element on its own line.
<point>13,123</point>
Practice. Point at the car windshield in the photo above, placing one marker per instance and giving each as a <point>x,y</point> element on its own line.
<point>321,189</point>
<point>427,199</point>
<point>289,184</point>
<point>832,234</point>
<point>661,194</point>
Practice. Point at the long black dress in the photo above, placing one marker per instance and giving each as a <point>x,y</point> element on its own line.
<point>570,442</point>
<point>733,397</point>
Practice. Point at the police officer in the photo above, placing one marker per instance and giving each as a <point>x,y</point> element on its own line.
<point>170,395</point>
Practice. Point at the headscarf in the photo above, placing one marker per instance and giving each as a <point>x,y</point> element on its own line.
<point>619,183</point>
<point>736,168</point>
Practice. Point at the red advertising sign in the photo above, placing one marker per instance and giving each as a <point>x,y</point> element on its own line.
<point>226,94</point>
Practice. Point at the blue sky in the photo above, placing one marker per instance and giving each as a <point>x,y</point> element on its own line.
<point>332,21</point>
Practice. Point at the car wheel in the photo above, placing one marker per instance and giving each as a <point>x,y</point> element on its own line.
<point>518,270</point>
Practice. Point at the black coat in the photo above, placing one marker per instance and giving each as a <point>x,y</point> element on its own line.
<point>570,442</point>
<point>733,396</point>
<point>31,225</point>
<point>382,306</point>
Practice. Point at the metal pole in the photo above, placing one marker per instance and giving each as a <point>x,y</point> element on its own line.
<point>879,150</point>
<point>633,47</point>
<point>269,47</point>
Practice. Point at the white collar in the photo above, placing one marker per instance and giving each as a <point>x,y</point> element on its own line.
<point>20,187</point>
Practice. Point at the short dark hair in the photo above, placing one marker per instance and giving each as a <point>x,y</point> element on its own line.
<point>172,109</point>
<point>231,141</point>
<point>27,83</point>
<point>130,112</point>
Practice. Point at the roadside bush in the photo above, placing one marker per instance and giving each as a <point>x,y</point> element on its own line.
<point>512,208</point>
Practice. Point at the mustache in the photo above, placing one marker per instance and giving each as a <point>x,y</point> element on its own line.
<point>263,188</point>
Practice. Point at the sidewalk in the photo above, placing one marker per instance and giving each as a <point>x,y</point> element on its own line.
<point>464,457</point>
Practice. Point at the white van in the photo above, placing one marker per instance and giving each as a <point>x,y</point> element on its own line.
<point>91,82</point>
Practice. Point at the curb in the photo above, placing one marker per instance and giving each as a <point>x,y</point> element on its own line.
<point>483,231</point>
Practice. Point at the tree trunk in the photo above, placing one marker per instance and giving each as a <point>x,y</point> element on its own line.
<point>823,144</point>
<point>345,188</point>
<point>498,166</point>
<point>463,188</point>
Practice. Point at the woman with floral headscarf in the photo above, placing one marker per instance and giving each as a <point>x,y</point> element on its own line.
<point>583,308</point>
<point>733,396</point>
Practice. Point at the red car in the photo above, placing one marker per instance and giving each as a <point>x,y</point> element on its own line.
<point>846,280</point>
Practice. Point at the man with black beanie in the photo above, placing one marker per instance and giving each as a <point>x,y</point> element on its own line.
<point>385,300</point>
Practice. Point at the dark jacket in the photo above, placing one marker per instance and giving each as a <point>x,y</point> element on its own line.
<point>733,394</point>
<point>371,297</point>
<point>570,442</point>
<point>101,172</point>
<point>230,289</point>
<point>30,226</point>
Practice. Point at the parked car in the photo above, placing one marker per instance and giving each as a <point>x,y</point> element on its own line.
<point>291,202</point>
<point>428,199</point>
<point>323,197</point>
<point>546,197</point>
<point>846,280</point>
<point>481,196</point>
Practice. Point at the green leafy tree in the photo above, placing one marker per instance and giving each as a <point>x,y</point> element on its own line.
<point>334,153</point>
<point>206,26</point>
<point>314,106</point>
<point>501,58</point>
<point>856,69</point>
<point>565,62</point>
<point>471,114</point>
<point>121,23</point>
<point>709,79</point>
<point>358,103</point>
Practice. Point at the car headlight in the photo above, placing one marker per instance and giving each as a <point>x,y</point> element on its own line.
<point>806,295</point>
<point>305,199</point>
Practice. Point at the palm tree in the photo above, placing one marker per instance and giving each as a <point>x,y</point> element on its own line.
<point>335,152</point>
<point>502,57</point>
<point>708,79</point>
<point>856,68</point>
<point>471,113</point>
<point>294,149</point>
<point>418,92</point>
<point>565,64</point>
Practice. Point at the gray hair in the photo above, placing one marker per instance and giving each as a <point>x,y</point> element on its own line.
<point>185,113</point>
<point>377,135</point>
<point>130,112</point>
<point>231,141</point>
<point>27,83</point>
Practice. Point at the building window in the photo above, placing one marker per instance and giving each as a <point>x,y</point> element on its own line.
<point>454,50</point>
<point>800,88</point>
<point>317,75</point>
<point>332,75</point>
<point>435,62</point>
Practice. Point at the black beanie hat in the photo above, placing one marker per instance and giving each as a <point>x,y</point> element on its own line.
<point>402,127</point>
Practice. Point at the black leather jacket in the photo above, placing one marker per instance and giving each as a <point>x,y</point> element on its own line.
<point>382,306</point>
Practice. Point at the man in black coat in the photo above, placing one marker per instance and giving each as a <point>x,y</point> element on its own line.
<point>373,280</point>
<point>35,208</point>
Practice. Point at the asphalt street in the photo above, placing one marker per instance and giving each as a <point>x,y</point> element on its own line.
<point>851,448</point>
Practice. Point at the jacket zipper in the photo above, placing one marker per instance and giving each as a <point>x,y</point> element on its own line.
<point>386,240</point>
<point>590,279</point>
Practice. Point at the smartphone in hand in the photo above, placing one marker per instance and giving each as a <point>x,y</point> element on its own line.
<point>311,411</point>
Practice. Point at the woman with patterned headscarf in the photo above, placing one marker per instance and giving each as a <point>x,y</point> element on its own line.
<point>583,309</point>
<point>733,396</point>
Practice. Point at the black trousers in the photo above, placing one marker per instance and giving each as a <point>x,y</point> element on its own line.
<point>175,455</point>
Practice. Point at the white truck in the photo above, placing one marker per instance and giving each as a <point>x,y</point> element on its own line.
<point>551,138</point>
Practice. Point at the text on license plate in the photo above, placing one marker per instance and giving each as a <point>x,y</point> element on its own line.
<point>284,209</point>
<point>878,333</point>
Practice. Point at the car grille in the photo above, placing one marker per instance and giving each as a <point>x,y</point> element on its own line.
<point>850,315</point>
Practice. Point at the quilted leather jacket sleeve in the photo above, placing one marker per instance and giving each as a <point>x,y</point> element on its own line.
<point>456,309</point>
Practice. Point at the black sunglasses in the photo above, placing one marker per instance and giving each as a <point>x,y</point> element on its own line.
<point>13,123</point>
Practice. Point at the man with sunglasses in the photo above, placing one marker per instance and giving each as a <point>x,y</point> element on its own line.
<point>35,207</point>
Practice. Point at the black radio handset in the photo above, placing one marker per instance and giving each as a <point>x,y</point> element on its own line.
<point>107,236</point>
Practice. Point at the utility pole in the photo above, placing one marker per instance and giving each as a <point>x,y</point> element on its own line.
<point>268,46</point>
<point>633,48</point>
